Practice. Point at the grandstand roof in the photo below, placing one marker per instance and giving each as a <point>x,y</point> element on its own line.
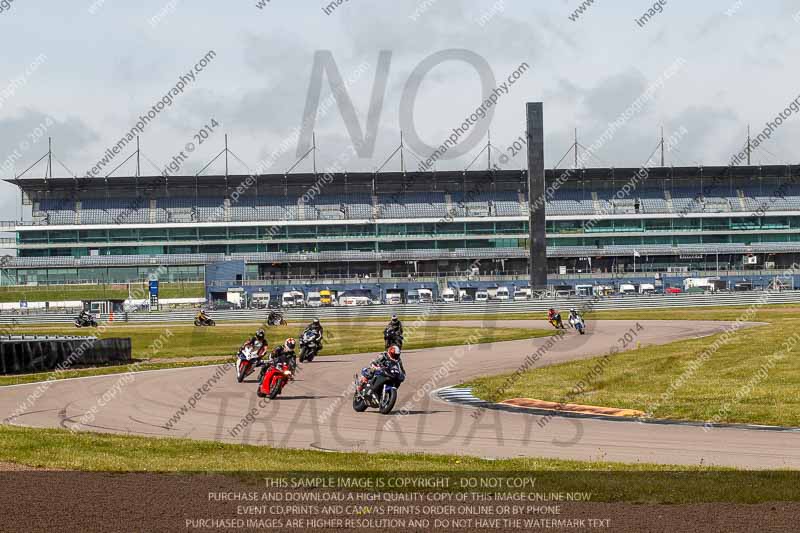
<point>417,180</point>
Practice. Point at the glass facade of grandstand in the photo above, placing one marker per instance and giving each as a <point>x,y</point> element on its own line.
<point>121,229</point>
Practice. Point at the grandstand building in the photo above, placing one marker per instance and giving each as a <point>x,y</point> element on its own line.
<point>399,224</point>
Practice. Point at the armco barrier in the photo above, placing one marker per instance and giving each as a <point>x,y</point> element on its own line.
<point>382,312</point>
<point>40,354</point>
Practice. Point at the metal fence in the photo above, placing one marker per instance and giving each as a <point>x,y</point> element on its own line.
<point>382,312</point>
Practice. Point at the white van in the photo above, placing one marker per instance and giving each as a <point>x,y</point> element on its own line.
<point>260,300</point>
<point>448,295</point>
<point>425,296</point>
<point>482,296</point>
<point>647,288</point>
<point>313,299</point>
<point>522,293</point>
<point>287,299</point>
<point>299,299</point>
<point>502,294</point>
<point>355,297</point>
<point>353,301</point>
<point>627,288</point>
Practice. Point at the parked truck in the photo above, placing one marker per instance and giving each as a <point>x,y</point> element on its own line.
<point>394,297</point>
<point>314,299</point>
<point>448,295</point>
<point>425,296</point>
<point>327,297</point>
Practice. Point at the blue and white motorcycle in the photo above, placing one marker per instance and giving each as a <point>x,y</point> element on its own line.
<point>576,321</point>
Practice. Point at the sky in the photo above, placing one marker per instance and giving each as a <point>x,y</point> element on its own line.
<point>84,72</point>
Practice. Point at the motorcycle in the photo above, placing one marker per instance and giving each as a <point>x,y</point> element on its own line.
<point>275,319</point>
<point>381,391</point>
<point>578,324</point>
<point>392,338</point>
<point>309,346</point>
<point>202,322</point>
<point>87,321</point>
<point>557,322</point>
<point>246,362</point>
<point>274,380</point>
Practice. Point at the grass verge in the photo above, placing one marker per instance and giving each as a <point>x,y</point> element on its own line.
<point>58,293</point>
<point>747,376</point>
<point>641,483</point>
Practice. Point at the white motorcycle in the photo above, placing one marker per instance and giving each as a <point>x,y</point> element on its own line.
<point>578,323</point>
<point>246,362</point>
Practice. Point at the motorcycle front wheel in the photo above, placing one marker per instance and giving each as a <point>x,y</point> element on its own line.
<point>275,389</point>
<point>259,392</point>
<point>359,405</point>
<point>240,371</point>
<point>388,401</point>
<point>303,352</point>
<point>197,323</point>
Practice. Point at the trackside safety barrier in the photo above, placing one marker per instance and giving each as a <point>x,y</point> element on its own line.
<point>20,354</point>
<point>382,312</point>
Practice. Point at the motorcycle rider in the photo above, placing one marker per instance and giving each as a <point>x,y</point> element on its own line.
<point>554,316</point>
<point>395,326</point>
<point>316,327</point>
<point>202,316</point>
<point>574,317</point>
<point>282,354</point>
<point>85,317</point>
<point>394,330</point>
<point>387,358</point>
<point>274,318</point>
<point>260,344</point>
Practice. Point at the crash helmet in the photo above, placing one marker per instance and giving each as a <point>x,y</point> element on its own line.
<point>260,335</point>
<point>290,344</point>
<point>393,353</point>
<point>315,322</point>
<point>551,310</point>
<point>573,311</point>
<point>395,320</point>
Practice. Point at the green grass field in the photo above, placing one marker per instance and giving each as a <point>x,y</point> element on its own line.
<point>186,342</point>
<point>57,293</point>
<point>728,386</point>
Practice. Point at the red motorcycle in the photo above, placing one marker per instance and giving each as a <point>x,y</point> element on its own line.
<point>274,380</point>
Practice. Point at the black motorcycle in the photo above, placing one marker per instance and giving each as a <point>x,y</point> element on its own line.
<point>392,338</point>
<point>310,345</point>
<point>275,319</point>
<point>85,321</point>
<point>381,391</point>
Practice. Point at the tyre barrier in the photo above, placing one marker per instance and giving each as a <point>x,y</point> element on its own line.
<point>28,354</point>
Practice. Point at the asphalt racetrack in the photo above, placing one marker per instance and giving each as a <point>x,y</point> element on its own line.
<point>315,411</point>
